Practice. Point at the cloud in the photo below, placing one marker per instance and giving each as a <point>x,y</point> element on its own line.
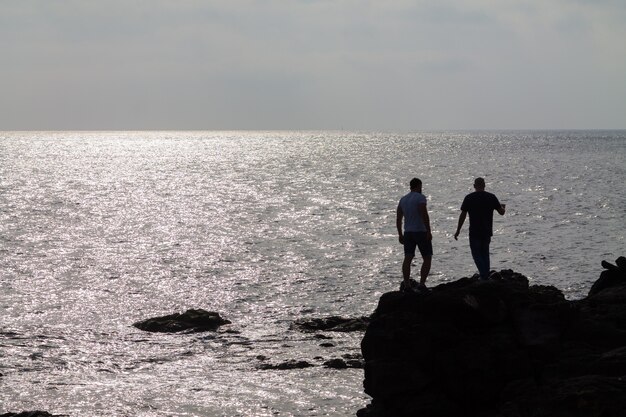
<point>312,64</point>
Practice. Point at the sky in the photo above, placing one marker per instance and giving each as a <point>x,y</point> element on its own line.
<point>385,65</point>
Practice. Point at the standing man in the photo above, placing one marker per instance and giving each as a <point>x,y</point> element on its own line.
<point>412,208</point>
<point>480,206</point>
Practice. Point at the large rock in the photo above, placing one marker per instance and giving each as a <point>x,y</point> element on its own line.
<point>191,321</point>
<point>498,348</point>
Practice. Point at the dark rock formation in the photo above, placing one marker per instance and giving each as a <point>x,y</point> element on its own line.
<point>332,324</point>
<point>614,275</point>
<point>498,349</point>
<point>190,321</point>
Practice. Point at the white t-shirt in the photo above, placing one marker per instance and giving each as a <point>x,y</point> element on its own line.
<point>409,204</point>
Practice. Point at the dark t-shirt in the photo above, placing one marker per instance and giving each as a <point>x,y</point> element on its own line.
<point>480,206</point>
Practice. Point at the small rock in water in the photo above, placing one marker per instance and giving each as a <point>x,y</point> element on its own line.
<point>341,364</point>
<point>194,320</point>
<point>333,324</point>
<point>291,364</point>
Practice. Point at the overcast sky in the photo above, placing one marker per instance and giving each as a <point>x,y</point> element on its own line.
<point>312,64</point>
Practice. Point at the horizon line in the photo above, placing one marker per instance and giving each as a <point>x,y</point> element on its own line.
<point>324,130</point>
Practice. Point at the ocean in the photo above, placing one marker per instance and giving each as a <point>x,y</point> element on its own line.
<point>99,230</point>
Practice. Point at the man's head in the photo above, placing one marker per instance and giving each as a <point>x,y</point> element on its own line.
<point>479,183</point>
<point>416,184</point>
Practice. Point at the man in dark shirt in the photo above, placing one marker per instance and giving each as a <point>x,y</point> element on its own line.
<point>480,206</point>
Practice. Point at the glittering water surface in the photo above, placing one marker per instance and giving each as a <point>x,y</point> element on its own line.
<point>99,230</point>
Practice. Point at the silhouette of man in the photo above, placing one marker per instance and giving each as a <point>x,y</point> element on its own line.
<point>412,208</point>
<point>480,205</point>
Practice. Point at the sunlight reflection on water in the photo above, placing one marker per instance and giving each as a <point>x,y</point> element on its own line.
<point>99,230</point>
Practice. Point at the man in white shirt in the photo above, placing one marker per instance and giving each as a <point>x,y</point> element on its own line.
<point>417,233</point>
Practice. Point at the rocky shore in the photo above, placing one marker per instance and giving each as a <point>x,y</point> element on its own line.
<point>501,348</point>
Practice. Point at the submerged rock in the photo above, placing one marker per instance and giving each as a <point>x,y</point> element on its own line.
<point>339,363</point>
<point>30,414</point>
<point>191,321</point>
<point>497,349</point>
<point>336,363</point>
<point>332,324</point>
<point>287,365</point>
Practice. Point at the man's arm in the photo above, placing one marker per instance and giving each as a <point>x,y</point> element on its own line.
<point>424,213</point>
<point>399,215</point>
<point>461,221</point>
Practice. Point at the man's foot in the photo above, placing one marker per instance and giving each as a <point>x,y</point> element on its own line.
<point>412,286</point>
<point>409,286</point>
<point>481,280</point>
<point>495,276</point>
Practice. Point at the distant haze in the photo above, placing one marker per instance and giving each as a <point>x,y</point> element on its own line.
<point>312,64</point>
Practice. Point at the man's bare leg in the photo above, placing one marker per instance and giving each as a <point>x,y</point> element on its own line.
<point>406,268</point>
<point>425,269</point>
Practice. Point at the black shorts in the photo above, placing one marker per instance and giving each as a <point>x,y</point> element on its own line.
<point>417,239</point>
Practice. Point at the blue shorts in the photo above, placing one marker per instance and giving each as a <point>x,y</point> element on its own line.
<point>417,239</point>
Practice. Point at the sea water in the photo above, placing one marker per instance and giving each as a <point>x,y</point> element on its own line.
<point>101,229</point>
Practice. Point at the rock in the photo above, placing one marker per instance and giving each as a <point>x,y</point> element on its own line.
<point>29,414</point>
<point>191,320</point>
<point>498,349</point>
<point>290,364</point>
<point>336,364</point>
<point>332,324</point>
<point>342,364</point>
<point>352,356</point>
<point>615,275</point>
<point>588,396</point>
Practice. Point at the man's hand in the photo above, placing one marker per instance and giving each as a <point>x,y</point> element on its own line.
<point>401,239</point>
<point>429,236</point>
<point>461,221</point>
